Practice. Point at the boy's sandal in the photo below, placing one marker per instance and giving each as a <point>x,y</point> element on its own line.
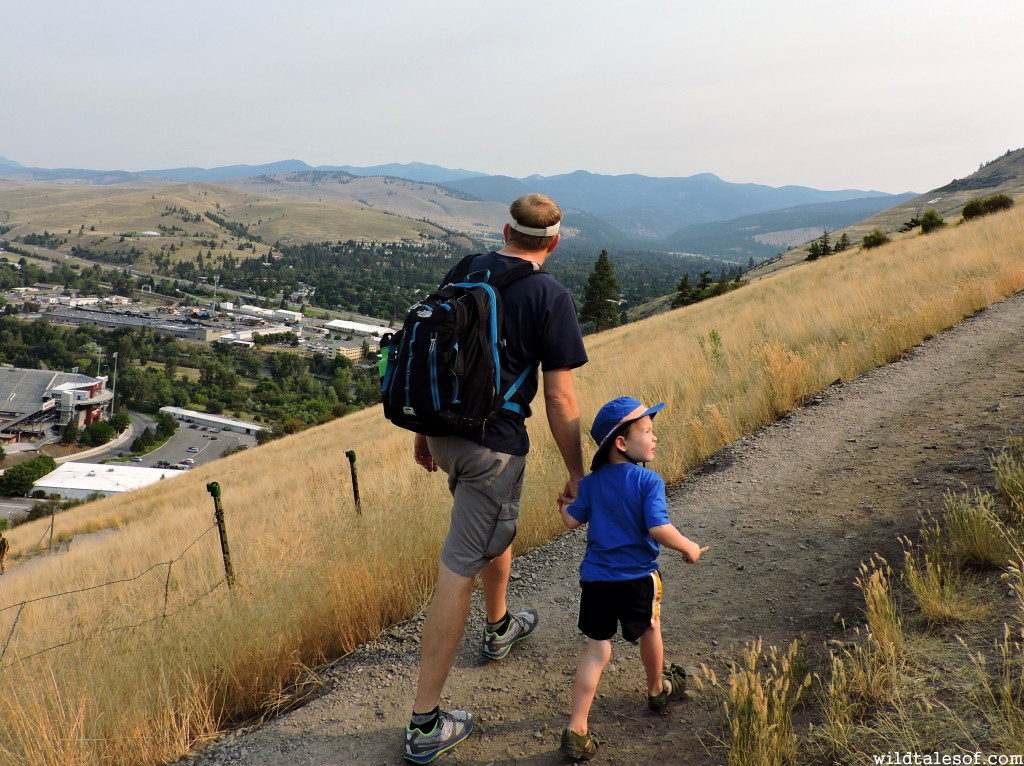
<point>578,747</point>
<point>673,684</point>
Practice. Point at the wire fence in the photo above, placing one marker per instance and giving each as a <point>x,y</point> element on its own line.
<point>164,613</point>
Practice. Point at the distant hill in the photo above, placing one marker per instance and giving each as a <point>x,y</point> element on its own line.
<point>764,235</point>
<point>211,175</point>
<point>138,226</point>
<point>1003,175</point>
<point>414,171</point>
<point>502,189</point>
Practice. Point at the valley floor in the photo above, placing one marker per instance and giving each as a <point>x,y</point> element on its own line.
<point>788,513</point>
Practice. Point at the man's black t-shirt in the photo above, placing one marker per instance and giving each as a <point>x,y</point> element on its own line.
<point>541,328</point>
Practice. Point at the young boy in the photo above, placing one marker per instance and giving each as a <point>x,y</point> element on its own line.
<point>624,506</point>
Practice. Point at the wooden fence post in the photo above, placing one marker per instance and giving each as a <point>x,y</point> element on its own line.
<point>351,455</point>
<point>214,489</point>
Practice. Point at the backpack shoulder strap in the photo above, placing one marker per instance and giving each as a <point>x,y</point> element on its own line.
<point>461,270</point>
<point>517,272</point>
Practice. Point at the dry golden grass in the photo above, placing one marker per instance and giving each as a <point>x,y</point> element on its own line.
<point>1009,468</point>
<point>763,691</point>
<point>977,537</point>
<point>315,579</point>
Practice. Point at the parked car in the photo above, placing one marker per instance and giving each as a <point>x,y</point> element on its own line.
<point>214,430</point>
<point>136,459</point>
<point>187,461</point>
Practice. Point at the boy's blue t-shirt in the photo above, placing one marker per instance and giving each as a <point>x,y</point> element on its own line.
<point>619,503</point>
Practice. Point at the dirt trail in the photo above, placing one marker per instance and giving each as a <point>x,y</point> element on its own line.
<point>788,512</point>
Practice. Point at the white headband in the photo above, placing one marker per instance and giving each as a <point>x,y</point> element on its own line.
<point>550,231</point>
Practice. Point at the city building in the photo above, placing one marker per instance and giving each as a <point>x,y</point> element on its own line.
<point>213,421</point>
<point>35,401</point>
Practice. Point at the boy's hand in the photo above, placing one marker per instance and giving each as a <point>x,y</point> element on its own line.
<point>691,552</point>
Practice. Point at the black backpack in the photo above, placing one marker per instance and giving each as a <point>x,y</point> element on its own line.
<point>443,375</point>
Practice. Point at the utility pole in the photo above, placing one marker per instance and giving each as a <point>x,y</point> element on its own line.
<point>113,399</point>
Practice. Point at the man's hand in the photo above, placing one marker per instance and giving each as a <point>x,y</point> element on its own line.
<point>421,453</point>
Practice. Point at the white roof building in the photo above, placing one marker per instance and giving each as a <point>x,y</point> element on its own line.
<point>357,327</point>
<point>80,480</point>
<point>206,419</point>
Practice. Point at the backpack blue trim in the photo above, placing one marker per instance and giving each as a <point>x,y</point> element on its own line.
<point>455,384</point>
<point>432,363</point>
<point>408,369</point>
<point>512,406</point>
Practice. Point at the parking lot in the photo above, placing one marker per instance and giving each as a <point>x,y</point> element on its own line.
<point>195,443</point>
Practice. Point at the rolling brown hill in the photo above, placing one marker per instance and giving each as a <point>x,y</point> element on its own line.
<point>112,220</point>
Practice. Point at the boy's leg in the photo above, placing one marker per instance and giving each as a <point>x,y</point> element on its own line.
<point>652,652</point>
<point>584,686</point>
<point>442,631</point>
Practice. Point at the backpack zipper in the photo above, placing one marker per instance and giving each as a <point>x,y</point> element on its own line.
<point>432,363</point>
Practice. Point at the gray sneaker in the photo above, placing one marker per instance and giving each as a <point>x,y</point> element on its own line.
<point>497,645</point>
<point>450,730</point>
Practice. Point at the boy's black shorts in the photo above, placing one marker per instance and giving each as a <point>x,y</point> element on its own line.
<point>634,603</point>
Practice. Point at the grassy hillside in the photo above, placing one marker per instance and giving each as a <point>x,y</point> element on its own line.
<point>410,199</point>
<point>108,221</point>
<point>163,655</point>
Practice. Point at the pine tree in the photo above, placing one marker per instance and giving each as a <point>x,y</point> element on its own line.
<point>685,293</point>
<point>826,244</point>
<point>843,243</point>
<point>601,296</point>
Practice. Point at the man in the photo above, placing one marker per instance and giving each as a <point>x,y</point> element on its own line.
<point>5,546</point>
<point>485,475</point>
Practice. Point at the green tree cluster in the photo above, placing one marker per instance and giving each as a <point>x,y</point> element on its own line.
<point>18,479</point>
<point>96,434</point>
<point>823,246</point>
<point>688,293</point>
<point>931,221</point>
<point>875,238</point>
<point>987,205</point>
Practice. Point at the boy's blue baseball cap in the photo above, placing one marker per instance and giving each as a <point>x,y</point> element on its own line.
<point>612,418</point>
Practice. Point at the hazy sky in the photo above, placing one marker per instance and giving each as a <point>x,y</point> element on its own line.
<point>895,95</point>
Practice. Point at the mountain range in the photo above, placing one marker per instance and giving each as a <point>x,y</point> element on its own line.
<point>682,214</point>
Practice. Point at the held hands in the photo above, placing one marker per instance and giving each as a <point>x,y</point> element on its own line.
<point>568,494</point>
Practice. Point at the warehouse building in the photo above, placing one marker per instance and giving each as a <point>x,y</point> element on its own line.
<point>80,481</point>
<point>213,421</point>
